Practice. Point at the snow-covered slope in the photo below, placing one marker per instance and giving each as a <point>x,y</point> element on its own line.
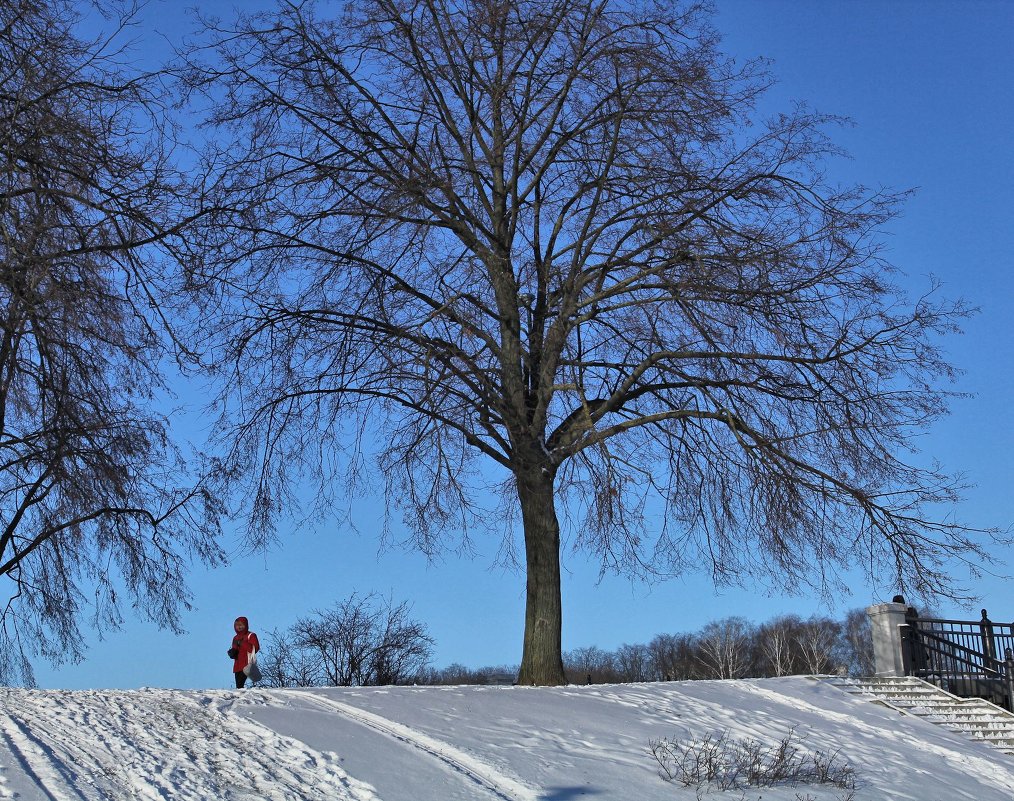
<point>462,744</point>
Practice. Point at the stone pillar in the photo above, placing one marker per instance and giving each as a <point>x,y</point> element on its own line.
<point>886,621</point>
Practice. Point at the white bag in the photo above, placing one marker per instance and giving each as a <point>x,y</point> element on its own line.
<point>251,670</point>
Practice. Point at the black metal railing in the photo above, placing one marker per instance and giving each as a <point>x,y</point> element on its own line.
<point>964,657</point>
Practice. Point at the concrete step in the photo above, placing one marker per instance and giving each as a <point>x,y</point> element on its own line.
<point>962,714</point>
<point>974,718</point>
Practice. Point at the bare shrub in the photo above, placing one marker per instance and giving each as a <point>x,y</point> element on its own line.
<point>727,763</point>
<point>364,640</point>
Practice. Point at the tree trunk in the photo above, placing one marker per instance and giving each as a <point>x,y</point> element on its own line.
<point>542,657</point>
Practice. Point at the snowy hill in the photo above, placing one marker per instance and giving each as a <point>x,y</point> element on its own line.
<point>464,744</point>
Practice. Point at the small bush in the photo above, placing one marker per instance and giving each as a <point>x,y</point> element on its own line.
<point>726,763</point>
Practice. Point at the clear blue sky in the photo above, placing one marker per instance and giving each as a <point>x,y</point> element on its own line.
<point>930,87</point>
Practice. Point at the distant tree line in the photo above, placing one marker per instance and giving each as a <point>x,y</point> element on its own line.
<point>367,640</point>
<point>735,648</point>
<point>731,648</point>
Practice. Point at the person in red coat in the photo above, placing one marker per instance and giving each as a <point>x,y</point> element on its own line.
<point>244,644</point>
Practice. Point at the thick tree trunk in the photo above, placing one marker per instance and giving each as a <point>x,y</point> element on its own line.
<point>542,657</point>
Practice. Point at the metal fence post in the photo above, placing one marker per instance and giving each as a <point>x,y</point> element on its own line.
<point>911,654</point>
<point>988,644</point>
<point>1008,675</point>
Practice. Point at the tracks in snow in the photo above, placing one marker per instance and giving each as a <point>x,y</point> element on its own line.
<point>35,760</point>
<point>151,745</point>
<point>483,774</point>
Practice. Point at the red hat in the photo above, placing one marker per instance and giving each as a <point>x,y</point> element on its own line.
<point>244,621</point>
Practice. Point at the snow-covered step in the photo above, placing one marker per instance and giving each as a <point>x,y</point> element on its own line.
<point>974,718</point>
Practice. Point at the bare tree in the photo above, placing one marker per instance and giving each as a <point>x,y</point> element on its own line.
<point>777,645</point>
<point>283,664</point>
<point>555,236</point>
<point>340,640</point>
<point>724,648</point>
<point>361,641</point>
<point>403,648</point>
<point>633,663</point>
<point>590,664</point>
<point>93,494</point>
<point>818,641</point>
<point>858,643</point>
<point>673,657</point>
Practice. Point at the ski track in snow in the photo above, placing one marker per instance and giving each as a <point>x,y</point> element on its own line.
<point>483,774</point>
<point>33,758</point>
<point>155,745</point>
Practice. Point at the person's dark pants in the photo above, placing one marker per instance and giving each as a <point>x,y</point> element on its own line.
<point>240,679</point>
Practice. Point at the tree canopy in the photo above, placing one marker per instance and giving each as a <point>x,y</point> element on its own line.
<point>557,237</point>
<point>95,500</point>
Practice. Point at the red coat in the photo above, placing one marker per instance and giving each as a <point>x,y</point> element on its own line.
<point>245,644</point>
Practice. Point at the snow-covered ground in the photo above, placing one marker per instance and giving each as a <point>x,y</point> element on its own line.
<point>463,744</point>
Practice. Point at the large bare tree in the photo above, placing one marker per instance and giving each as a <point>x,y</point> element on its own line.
<point>93,498</point>
<point>556,238</point>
